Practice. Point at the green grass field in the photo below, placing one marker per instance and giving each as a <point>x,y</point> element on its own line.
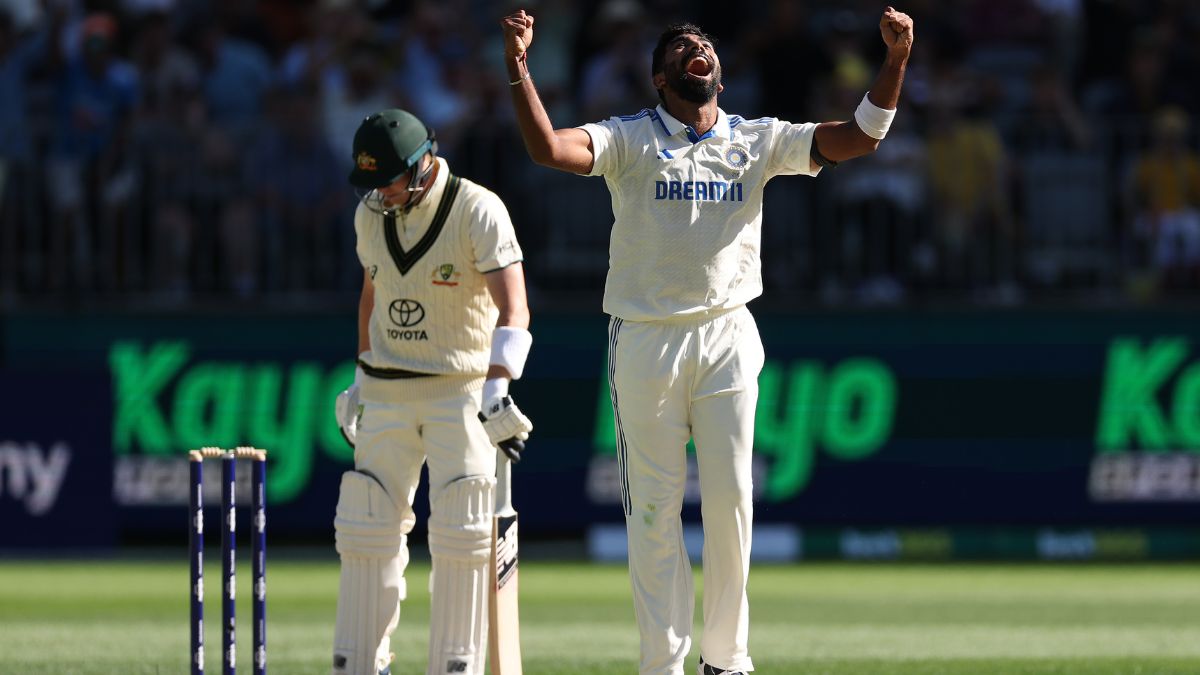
<point>131,617</point>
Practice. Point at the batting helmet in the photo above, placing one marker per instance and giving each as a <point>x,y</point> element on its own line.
<point>386,145</point>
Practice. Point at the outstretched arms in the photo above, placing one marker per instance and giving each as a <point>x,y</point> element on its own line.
<point>563,149</point>
<point>839,141</point>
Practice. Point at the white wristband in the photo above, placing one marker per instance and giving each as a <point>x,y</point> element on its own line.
<point>873,120</point>
<point>510,348</point>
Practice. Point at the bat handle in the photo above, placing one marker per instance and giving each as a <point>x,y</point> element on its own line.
<point>503,484</point>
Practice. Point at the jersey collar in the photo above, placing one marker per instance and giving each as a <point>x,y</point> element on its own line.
<point>674,127</point>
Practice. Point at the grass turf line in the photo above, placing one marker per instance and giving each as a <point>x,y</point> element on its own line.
<point>577,619</point>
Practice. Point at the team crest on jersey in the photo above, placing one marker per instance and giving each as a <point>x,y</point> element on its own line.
<point>737,156</point>
<point>365,162</point>
<point>444,275</point>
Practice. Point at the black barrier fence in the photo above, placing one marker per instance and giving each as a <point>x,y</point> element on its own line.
<point>930,434</point>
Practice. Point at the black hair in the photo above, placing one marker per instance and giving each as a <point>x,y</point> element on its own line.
<point>673,31</point>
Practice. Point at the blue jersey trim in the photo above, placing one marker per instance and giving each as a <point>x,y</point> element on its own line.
<point>735,120</point>
<point>646,112</point>
<point>663,125</point>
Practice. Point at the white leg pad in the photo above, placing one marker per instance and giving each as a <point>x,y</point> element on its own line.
<point>374,551</point>
<point>460,539</point>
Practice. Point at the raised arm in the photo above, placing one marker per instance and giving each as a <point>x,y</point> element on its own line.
<point>562,149</point>
<point>839,141</point>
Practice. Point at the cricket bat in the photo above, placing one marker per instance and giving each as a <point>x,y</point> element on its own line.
<point>504,634</point>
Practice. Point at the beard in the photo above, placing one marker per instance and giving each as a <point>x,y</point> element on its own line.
<point>689,89</point>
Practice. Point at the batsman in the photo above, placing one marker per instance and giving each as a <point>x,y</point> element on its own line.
<point>442,329</point>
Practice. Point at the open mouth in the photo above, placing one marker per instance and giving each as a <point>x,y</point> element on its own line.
<point>699,66</point>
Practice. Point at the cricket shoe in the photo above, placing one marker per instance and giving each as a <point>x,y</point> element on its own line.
<point>704,669</point>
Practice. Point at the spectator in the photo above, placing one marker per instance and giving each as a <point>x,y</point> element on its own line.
<point>20,54</point>
<point>882,200</point>
<point>226,246</point>
<point>1166,198</point>
<point>170,140</point>
<point>344,61</point>
<point>785,52</point>
<point>111,170</point>
<point>974,237</point>
<point>170,117</point>
<point>334,28</point>
<point>351,92</point>
<point>1052,121</point>
<point>614,78</point>
<point>165,68</point>
<point>1142,87</point>
<point>432,53</point>
<point>90,177</point>
<point>236,74</point>
<point>295,180</point>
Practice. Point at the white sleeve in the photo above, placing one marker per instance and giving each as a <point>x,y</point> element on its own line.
<point>791,145</point>
<point>493,238</point>
<point>362,216</point>
<point>607,152</point>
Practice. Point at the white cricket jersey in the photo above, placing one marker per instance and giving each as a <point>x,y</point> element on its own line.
<point>688,209</point>
<point>433,312</point>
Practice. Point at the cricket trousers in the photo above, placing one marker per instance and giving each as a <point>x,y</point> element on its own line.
<point>674,380</point>
<point>432,422</point>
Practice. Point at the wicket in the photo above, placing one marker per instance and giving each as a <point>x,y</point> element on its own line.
<point>258,545</point>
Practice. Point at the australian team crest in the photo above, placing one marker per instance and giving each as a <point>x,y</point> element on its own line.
<point>365,162</point>
<point>444,275</point>
<point>737,156</point>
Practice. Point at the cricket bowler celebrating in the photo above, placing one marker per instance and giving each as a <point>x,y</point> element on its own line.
<point>442,328</point>
<point>686,181</point>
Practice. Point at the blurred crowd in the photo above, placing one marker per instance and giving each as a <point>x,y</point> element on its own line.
<point>179,151</point>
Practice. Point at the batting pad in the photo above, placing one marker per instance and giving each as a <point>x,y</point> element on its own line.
<point>460,543</point>
<point>374,554</point>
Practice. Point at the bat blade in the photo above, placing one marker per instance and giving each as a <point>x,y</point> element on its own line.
<point>504,630</point>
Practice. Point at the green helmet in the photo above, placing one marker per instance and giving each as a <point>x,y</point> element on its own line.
<point>387,144</point>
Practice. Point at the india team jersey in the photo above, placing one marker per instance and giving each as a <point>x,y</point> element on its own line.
<point>433,312</point>
<point>688,209</point>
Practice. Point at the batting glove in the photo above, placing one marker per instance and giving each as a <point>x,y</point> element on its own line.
<point>506,426</point>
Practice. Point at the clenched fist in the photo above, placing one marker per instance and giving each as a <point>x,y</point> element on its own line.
<point>897,30</point>
<point>518,33</point>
